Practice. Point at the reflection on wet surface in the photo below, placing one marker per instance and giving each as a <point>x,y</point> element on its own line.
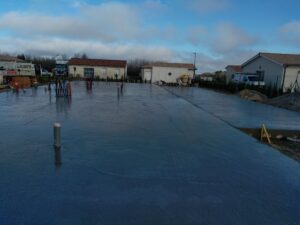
<point>151,158</point>
<point>57,157</point>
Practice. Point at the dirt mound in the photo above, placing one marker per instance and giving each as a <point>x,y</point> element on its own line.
<point>252,95</point>
<point>288,101</point>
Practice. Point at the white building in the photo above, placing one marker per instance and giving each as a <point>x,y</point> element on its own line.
<point>280,70</point>
<point>167,72</point>
<point>97,68</point>
<point>12,67</point>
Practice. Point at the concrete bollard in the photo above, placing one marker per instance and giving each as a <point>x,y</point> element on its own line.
<point>56,128</point>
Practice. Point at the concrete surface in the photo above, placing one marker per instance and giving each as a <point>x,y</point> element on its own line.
<point>238,112</point>
<point>148,158</point>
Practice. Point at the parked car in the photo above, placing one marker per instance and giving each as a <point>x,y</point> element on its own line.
<point>46,73</point>
<point>248,79</point>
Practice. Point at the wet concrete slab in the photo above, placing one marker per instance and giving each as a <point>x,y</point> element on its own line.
<point>239,112</point>
<point>147,157</point>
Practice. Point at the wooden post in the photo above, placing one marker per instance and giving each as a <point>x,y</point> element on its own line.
<point>56,129</point>
<point>264,134</point>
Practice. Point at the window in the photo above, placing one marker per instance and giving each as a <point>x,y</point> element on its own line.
<point>88,72</point>
<point>103,71</point>
<point>261,75</point>
<point>253,78</point>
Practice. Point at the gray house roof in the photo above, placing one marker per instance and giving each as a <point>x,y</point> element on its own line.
<point>282,59</point>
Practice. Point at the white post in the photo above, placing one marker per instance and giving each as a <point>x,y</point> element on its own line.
<point>56,128</point>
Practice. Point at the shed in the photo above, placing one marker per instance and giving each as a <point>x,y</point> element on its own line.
<point>166,72</point>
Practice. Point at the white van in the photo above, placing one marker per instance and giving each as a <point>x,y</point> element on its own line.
<point>248,79</point>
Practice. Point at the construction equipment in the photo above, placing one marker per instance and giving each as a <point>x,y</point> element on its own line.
<point>184,80</point>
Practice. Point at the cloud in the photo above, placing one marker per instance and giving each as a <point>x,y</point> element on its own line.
<point>291,31</point>
<point>106,22</point>
<point>197,35</point>
<point>229,37</point>
<point>207,6</point>
<point>209,63</point>
<point>126,31</point>
<point>117,19</point>
<point>155,5</point>
<point>222,39</point>
<point>54,46</point>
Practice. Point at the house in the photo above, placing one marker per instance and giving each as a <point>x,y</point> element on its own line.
<point>97,68</point>
<point>14,69</point>
<point>166,72</point>
<point>230,70</point>
<point>277,70</point>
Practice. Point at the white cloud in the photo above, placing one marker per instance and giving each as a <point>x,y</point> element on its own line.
<point>77,4</point>
<point>106,22</point>
<point>222,40</point>
<point>291,31</point>
<point>155,5</point>
<point>117,19</point>
<point>229,37</point>
<point>197,35</point>
<point>211,63</point>
<point>53,46</point>
<point>122,30</point>
<point>207,6</point>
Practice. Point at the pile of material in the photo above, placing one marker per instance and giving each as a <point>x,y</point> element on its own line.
<point>23,82</point>
<point>288,101</point>
<point>183,80</point>
<point>252,95</point>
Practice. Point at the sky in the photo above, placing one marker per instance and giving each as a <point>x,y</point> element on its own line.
<point>221,32</point>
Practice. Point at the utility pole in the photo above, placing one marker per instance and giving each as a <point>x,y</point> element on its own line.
<point>195,56</point>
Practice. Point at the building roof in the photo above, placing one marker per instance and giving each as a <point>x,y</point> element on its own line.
<point>7,58</point>
<point>236,68</point>
<point>97,62</point>
<point>172,65</point>
<point>279,58</point>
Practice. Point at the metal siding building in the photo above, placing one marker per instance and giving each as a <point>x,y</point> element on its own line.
<point>280,70</point>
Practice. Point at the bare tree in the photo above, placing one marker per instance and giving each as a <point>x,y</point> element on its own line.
<point>81,55</point>
<point>134,66</point>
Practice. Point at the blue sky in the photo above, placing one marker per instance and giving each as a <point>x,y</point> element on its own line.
<point>220,31</point>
